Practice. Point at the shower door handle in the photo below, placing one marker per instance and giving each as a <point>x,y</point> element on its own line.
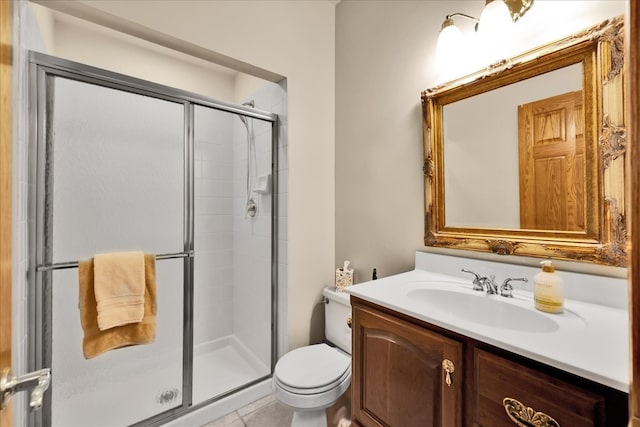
<point>37,381</point>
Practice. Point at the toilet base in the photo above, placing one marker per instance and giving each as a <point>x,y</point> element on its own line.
<point>315,418</point>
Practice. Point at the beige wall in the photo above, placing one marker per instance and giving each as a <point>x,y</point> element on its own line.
<point>294,39</point>
<point>81,41</point>
<point>91,44</point>
<point>384,59</point>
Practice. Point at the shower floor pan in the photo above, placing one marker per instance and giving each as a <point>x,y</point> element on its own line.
<point>219,366</point>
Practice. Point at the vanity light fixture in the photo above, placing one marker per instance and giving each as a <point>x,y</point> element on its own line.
<point>517,8</point>
<point>494,19</point>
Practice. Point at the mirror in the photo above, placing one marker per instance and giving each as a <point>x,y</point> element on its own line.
<point>527,157</point>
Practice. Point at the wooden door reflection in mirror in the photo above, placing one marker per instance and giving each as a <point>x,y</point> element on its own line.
<point>552,163</point>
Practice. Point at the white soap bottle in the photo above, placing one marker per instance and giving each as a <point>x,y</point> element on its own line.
<point>548,289</point>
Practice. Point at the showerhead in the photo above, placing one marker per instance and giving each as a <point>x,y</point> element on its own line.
<point>251,103</point>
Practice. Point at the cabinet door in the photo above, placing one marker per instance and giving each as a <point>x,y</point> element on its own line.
<point>508,394</point>
<point>398,374</point>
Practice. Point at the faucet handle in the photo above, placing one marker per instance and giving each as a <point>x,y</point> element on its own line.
<point>477,282</point>
<point>506,290</point>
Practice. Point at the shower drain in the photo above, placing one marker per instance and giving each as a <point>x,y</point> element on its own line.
<point>167,396</point>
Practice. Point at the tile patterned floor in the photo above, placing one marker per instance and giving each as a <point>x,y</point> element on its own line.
<point>269,412</point>
<point>266,412</point>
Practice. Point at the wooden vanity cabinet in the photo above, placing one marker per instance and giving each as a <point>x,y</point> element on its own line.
<point>398,374</point>
<point>399,381</point>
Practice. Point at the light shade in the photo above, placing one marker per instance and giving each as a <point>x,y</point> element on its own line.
<point>495,30</point>
<point>495,18</point>
<point>450,41</point>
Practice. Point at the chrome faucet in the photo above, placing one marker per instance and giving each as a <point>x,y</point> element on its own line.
<point>481,283</point>
<point>490,285</point>
<point>506,289</point>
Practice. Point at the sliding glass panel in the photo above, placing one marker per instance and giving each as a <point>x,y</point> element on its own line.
<point>232,279</point>
<point>118,166</point>
<point>116,183</point>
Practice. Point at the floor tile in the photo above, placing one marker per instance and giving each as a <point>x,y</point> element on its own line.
<point>256,405</point>
<point>274,414</point>
<point>231,420</point>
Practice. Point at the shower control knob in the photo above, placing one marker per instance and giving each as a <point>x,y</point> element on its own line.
<point>252,208</point>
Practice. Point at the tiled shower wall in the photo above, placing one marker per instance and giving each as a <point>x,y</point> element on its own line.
<point>233,262</point>
<point>213,243</point>
<point>252,236</point>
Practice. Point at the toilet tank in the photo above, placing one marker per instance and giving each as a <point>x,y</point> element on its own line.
<point>337,318</point>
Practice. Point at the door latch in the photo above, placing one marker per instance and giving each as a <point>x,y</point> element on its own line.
<point>37,381</point>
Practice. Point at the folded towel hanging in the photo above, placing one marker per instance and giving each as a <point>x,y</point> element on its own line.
<point>95,342</point>
<point>119,288</point>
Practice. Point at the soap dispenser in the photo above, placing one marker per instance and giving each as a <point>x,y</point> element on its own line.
<point>548,289</point>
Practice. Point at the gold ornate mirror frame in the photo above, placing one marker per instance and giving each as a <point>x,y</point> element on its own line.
<point>600,50</point>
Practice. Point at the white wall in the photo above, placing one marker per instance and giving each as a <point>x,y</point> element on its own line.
<point>291,39</point>
<point>384,59</point>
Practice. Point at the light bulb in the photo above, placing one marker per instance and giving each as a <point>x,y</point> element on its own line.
<point>448,50</point>
<point>449,41</point>
<point>495,17</point>
<point>495,30</point>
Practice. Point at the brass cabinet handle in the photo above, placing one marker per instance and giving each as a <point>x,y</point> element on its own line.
<point>449,368</point>
<point>349,322</point>
<point>524,416</point>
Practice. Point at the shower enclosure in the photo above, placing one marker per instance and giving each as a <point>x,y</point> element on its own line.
<point>123,164</point>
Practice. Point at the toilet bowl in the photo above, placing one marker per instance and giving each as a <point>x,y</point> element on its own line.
<point>309,379</point>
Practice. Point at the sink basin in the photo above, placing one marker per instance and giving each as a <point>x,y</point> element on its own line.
<point>482,309</point>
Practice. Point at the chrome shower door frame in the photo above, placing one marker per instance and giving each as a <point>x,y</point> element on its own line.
<point>43,69</point>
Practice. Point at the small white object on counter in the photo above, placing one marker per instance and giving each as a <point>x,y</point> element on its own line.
<point>587,339</point>
<point>344,277</point>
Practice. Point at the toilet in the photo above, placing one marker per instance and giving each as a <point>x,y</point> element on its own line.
<point>309,379</point>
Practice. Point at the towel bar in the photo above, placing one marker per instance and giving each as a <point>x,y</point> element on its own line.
<point>74,264</point>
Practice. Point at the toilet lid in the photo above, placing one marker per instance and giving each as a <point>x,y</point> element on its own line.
<point>312,367</point>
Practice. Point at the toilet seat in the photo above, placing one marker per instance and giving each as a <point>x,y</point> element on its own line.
<point>312,377</point>
<point>312,369</point>
<point>311,391</point>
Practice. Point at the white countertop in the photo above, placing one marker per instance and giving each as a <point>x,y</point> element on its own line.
<point>591,341</point>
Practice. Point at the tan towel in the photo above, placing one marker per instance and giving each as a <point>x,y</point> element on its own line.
<point>119,288</point>
<point>95,341</point>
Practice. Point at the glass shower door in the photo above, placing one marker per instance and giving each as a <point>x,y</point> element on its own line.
<point>232,343</point>
<point>115,180</point>
<point>120,164</point>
